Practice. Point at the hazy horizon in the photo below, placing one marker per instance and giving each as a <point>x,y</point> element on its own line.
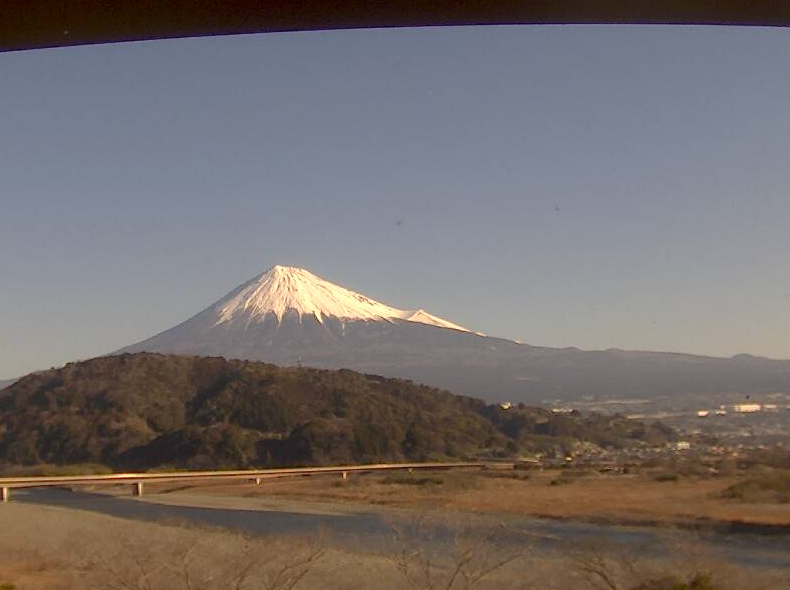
<point>589,186</point>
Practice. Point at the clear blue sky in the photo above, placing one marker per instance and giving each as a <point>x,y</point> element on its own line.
<point>599,186</point>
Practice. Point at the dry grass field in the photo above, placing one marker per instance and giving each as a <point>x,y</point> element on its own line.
<point>635,499</point>
<point>56,548</point>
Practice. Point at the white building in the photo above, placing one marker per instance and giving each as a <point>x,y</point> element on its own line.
<point>747,408</point>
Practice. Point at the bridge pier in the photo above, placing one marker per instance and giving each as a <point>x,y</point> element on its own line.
<point>345,475</point>
<point>258,481</point>
<point>5,494</point>
<point>137,488</point>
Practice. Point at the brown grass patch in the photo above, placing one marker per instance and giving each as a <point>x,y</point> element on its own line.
<point>628,498</point>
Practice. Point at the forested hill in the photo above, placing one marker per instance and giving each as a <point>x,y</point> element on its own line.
<point>151,410</point>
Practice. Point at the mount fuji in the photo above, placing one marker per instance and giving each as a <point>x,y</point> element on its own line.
<point>290,316</point>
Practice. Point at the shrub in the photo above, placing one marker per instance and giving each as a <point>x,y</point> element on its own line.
<point>771,487</point>
<point>561,481</point>
<point>698,582</point>
<point>411,480</point>
<point>666,477</point>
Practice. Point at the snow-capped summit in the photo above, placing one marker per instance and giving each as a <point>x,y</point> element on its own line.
<point>287,289</point>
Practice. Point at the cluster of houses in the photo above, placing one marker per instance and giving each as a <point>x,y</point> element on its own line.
<point>562,410</point>
<point>585,454</point>
<point>748,408</point>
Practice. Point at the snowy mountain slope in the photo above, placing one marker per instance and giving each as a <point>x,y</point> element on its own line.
<point>290,316</point>
<point>287,314</point>
<point>287,289</point>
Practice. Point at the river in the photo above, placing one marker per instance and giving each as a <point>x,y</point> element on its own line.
<point>370,529</point>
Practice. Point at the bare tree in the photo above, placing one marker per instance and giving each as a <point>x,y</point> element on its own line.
<point>190,559</point>
<point>671,561</point>
<point>289,563</point>
<point>597,568</point>
<point>432,557</point>
<point>128,563</point>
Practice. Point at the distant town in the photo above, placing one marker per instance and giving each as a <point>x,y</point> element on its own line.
<point>712,438</point>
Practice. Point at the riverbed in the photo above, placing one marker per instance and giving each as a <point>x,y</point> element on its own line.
<point>373,526</point>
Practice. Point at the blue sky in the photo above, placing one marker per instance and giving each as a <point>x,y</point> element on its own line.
<point>593,186</point>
